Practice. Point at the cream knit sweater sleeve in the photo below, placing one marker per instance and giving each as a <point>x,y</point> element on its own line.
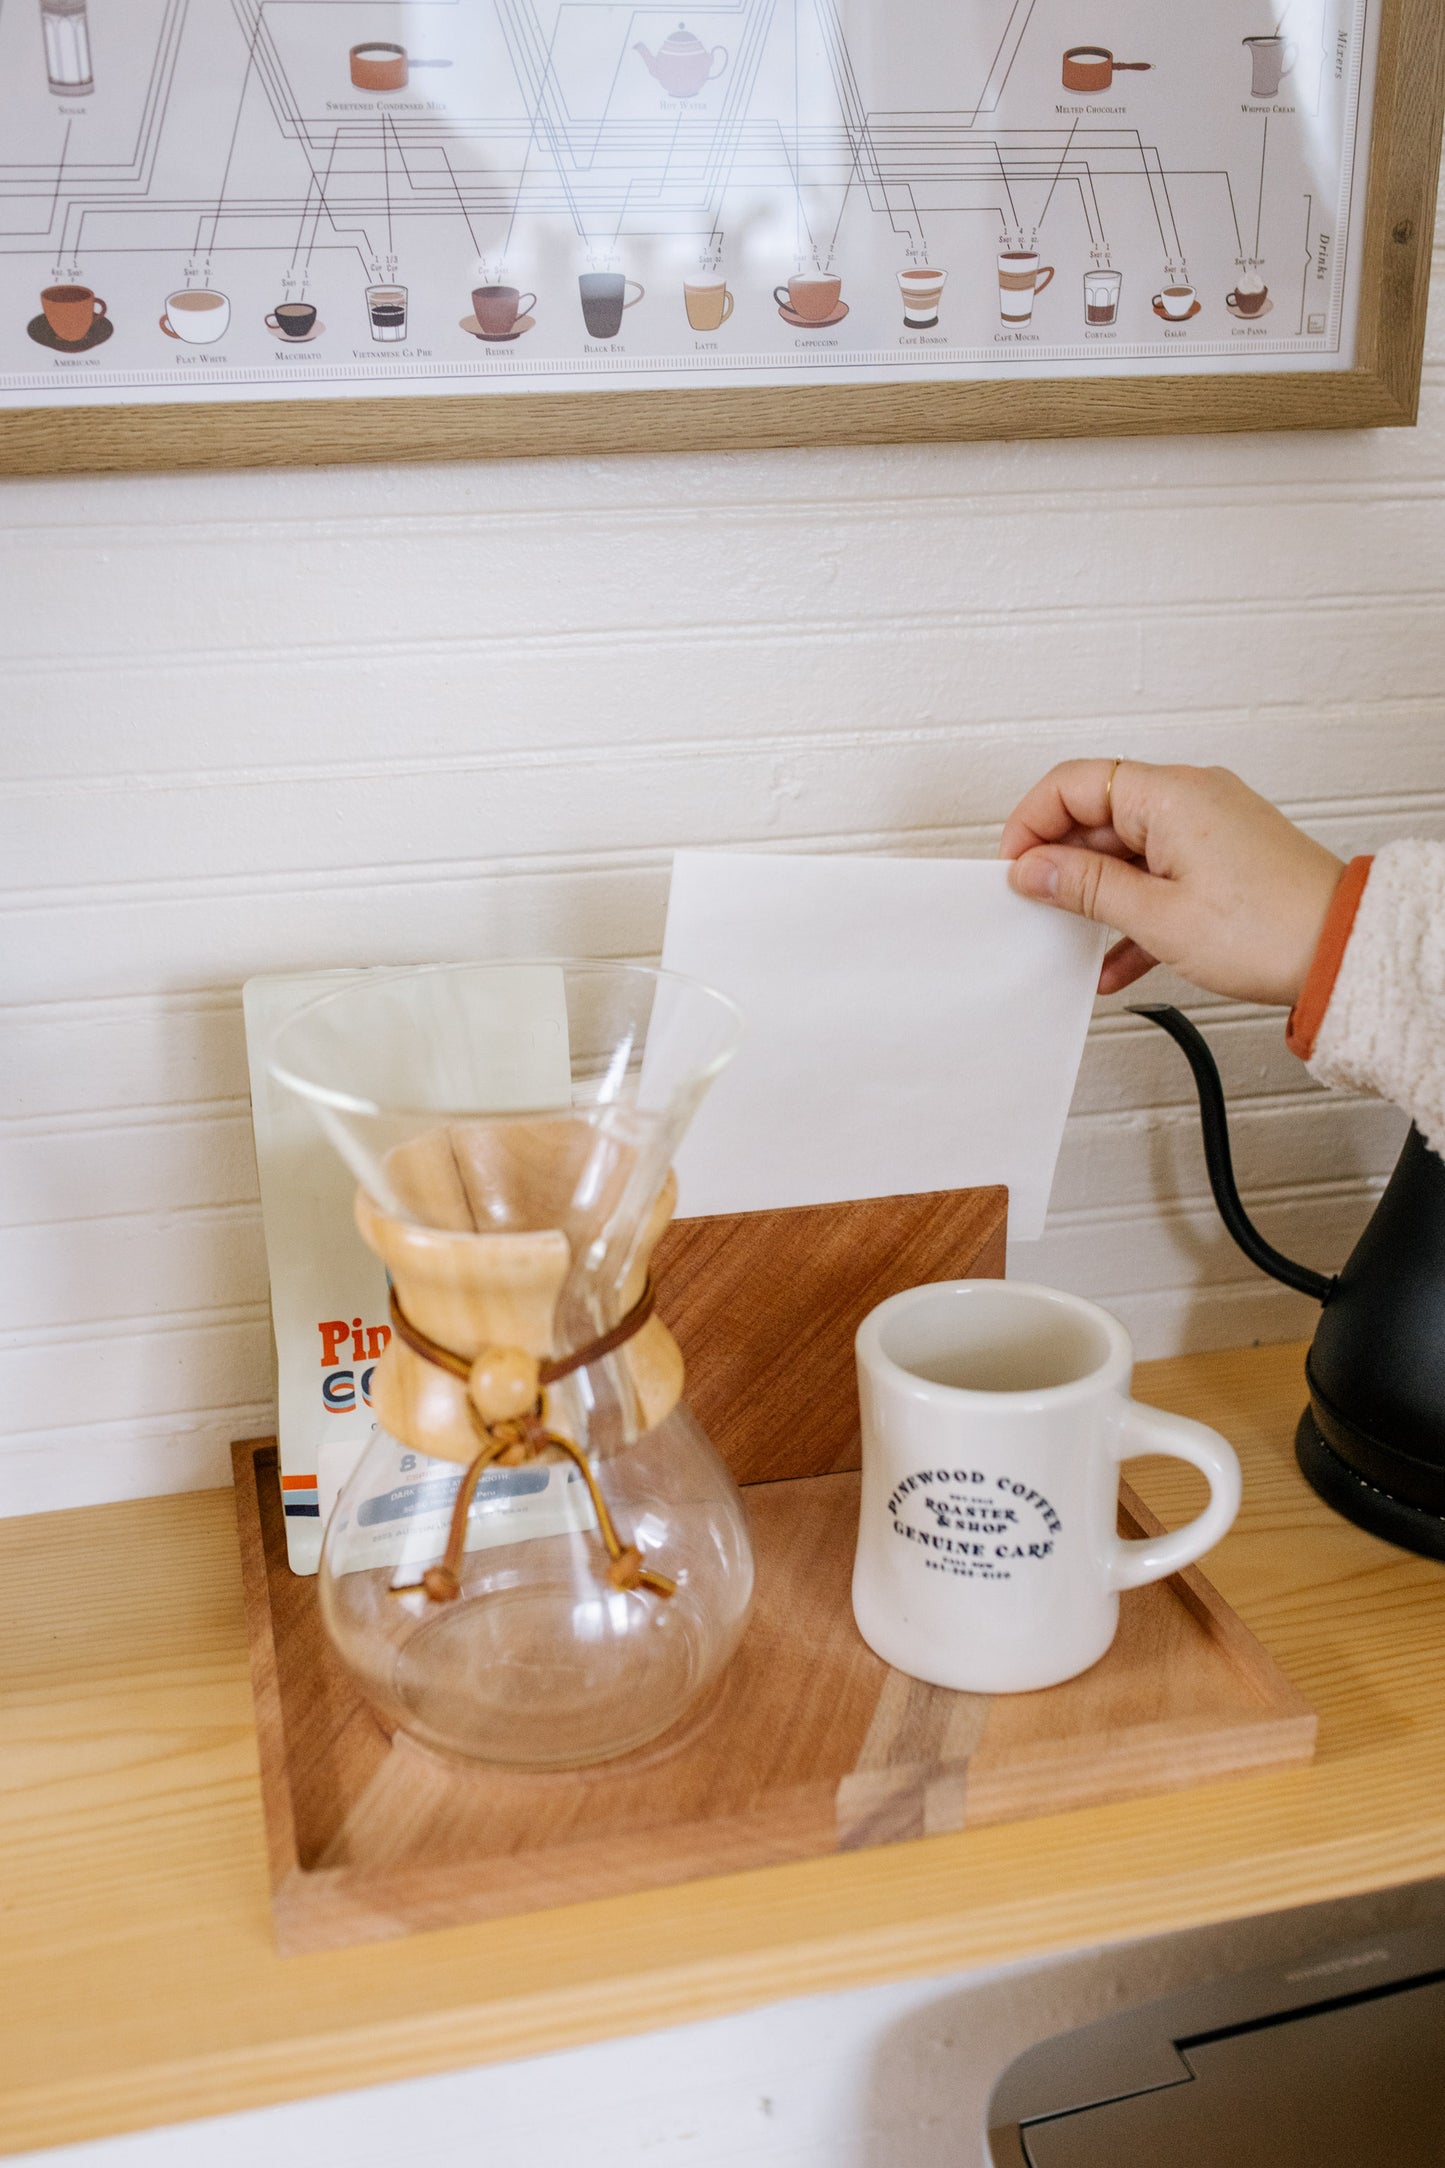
<point>1384,1029</point>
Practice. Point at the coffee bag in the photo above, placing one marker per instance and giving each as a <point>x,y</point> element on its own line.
<point>328,1292</point>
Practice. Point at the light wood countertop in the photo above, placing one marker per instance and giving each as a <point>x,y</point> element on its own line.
<point>139,1980</point>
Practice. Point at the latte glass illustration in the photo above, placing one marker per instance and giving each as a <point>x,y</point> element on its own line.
<point>604,297</point>
<point>497,309</point>
<point>386,306</point>
<point>708,303</point>
<point>810,296</point>
<point>1269,60</point>
<point>1176,301</point>
<point>293,319</point>
<point>1101,296</point>
<point>921,290</point>
<point>70,311</point>
<point>197,317</point>
<point>67,47</point>
<point>1020,278</point>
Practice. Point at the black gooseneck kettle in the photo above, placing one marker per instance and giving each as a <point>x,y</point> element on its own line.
<point>1372,1440</point>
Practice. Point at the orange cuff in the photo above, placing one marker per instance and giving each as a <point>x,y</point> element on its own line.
<point>1308,1013</point>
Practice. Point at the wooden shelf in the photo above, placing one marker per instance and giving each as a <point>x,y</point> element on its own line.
<point>138,1970</point>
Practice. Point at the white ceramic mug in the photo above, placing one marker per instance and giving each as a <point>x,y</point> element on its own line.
<point>995,1417</point>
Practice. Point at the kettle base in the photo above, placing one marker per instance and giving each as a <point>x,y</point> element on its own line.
<point>1411,1527</point>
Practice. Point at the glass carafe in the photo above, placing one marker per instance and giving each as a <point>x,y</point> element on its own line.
<point>540,1560</point>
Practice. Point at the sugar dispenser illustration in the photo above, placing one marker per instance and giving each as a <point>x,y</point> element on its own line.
<point>540,1560</point>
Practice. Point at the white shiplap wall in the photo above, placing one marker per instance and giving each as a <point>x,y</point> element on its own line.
<point>264,721</point>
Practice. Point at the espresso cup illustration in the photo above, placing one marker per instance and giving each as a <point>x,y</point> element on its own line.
<point>1020,277</point>
<point>70,311</point>
<point>293,319</point>
<point>1101,296</point>
<point>604,297</point>
<point>386,307</point>
<point>996,1416</point>
<point>198,316</point>
<point>922,291</point>
<point>497,308</point>
<point>1176,301</point>
<point>1269,60</point>
<point>1249,296</point>
<point>810,296</point>
<point>708,303</point>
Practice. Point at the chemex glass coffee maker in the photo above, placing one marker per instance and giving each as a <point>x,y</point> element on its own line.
<point>540,1560</point>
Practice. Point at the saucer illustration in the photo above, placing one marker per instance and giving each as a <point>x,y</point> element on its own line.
<point>808,323</point>
<point>1250,316</point>
<point>1165,317</point>
<point>497,338</point>
<point>284,338</point>
<point>97,335</point>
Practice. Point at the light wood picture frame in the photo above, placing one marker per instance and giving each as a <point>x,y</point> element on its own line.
<point>1381,389</point>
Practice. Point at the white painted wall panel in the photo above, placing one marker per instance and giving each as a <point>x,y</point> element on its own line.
<point>272,721</point>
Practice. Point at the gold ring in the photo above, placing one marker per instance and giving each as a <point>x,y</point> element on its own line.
<point>1109,790</point>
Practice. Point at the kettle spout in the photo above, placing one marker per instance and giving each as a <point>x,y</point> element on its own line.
<point>650,58</point>
<point>1218,1159</point>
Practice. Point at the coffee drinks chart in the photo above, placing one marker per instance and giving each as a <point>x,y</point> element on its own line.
<point>283,199</point>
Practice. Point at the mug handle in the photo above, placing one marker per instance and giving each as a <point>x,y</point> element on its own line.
<point>99,309</point>
<point>1134,1562</point>
<point>783,298</point>
<point>165,324</point>
<point>727,305</point>
<point>712,73</point>
<point>528,301</point>
<point>1042,278</point>
<point>641,290</point>
<point>272,324</point>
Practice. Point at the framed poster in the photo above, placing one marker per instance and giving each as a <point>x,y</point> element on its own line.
<point>246,231</point>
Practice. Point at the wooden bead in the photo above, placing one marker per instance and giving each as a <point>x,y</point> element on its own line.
<point>504,1383</point>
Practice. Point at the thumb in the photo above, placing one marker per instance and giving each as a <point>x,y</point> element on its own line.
<point>1093,885</point>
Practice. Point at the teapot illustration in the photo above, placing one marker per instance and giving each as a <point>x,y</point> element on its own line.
<point>682,63</point>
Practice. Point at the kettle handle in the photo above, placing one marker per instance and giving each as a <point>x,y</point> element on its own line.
<point>1219,1161</point>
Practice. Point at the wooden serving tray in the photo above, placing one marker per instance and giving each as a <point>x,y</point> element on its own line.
<point>810,1744</point>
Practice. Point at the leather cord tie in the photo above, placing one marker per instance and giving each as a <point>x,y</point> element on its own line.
<point>505,1405</point>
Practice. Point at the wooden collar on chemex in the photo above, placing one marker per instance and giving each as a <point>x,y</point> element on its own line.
<point>504,1400</point>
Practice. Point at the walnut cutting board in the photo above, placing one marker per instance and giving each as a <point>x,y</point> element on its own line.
<point>811,1744</point>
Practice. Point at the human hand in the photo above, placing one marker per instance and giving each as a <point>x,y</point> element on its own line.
<point>1188,864</point>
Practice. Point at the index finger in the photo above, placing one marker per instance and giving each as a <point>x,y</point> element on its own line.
<point>1072,796</point>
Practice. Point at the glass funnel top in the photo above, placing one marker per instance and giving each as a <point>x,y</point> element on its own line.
<point>508,1098</point>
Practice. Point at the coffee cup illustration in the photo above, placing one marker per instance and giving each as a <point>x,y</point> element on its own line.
<point>604,297</point>
<point>197,316</point>
<point>386,309</point>
<point>498,309</point>
<point>811,298</point>
<point>1101,296</point>
<point>378,64</point>
<point>1250,297</point>
<point>1270,59</point>
<point>708,303</point>
<point>293,319</point>
<point>921,290</point>
<point>1020,277</point>
<point>70,311</point>
<point>1176,302</point>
